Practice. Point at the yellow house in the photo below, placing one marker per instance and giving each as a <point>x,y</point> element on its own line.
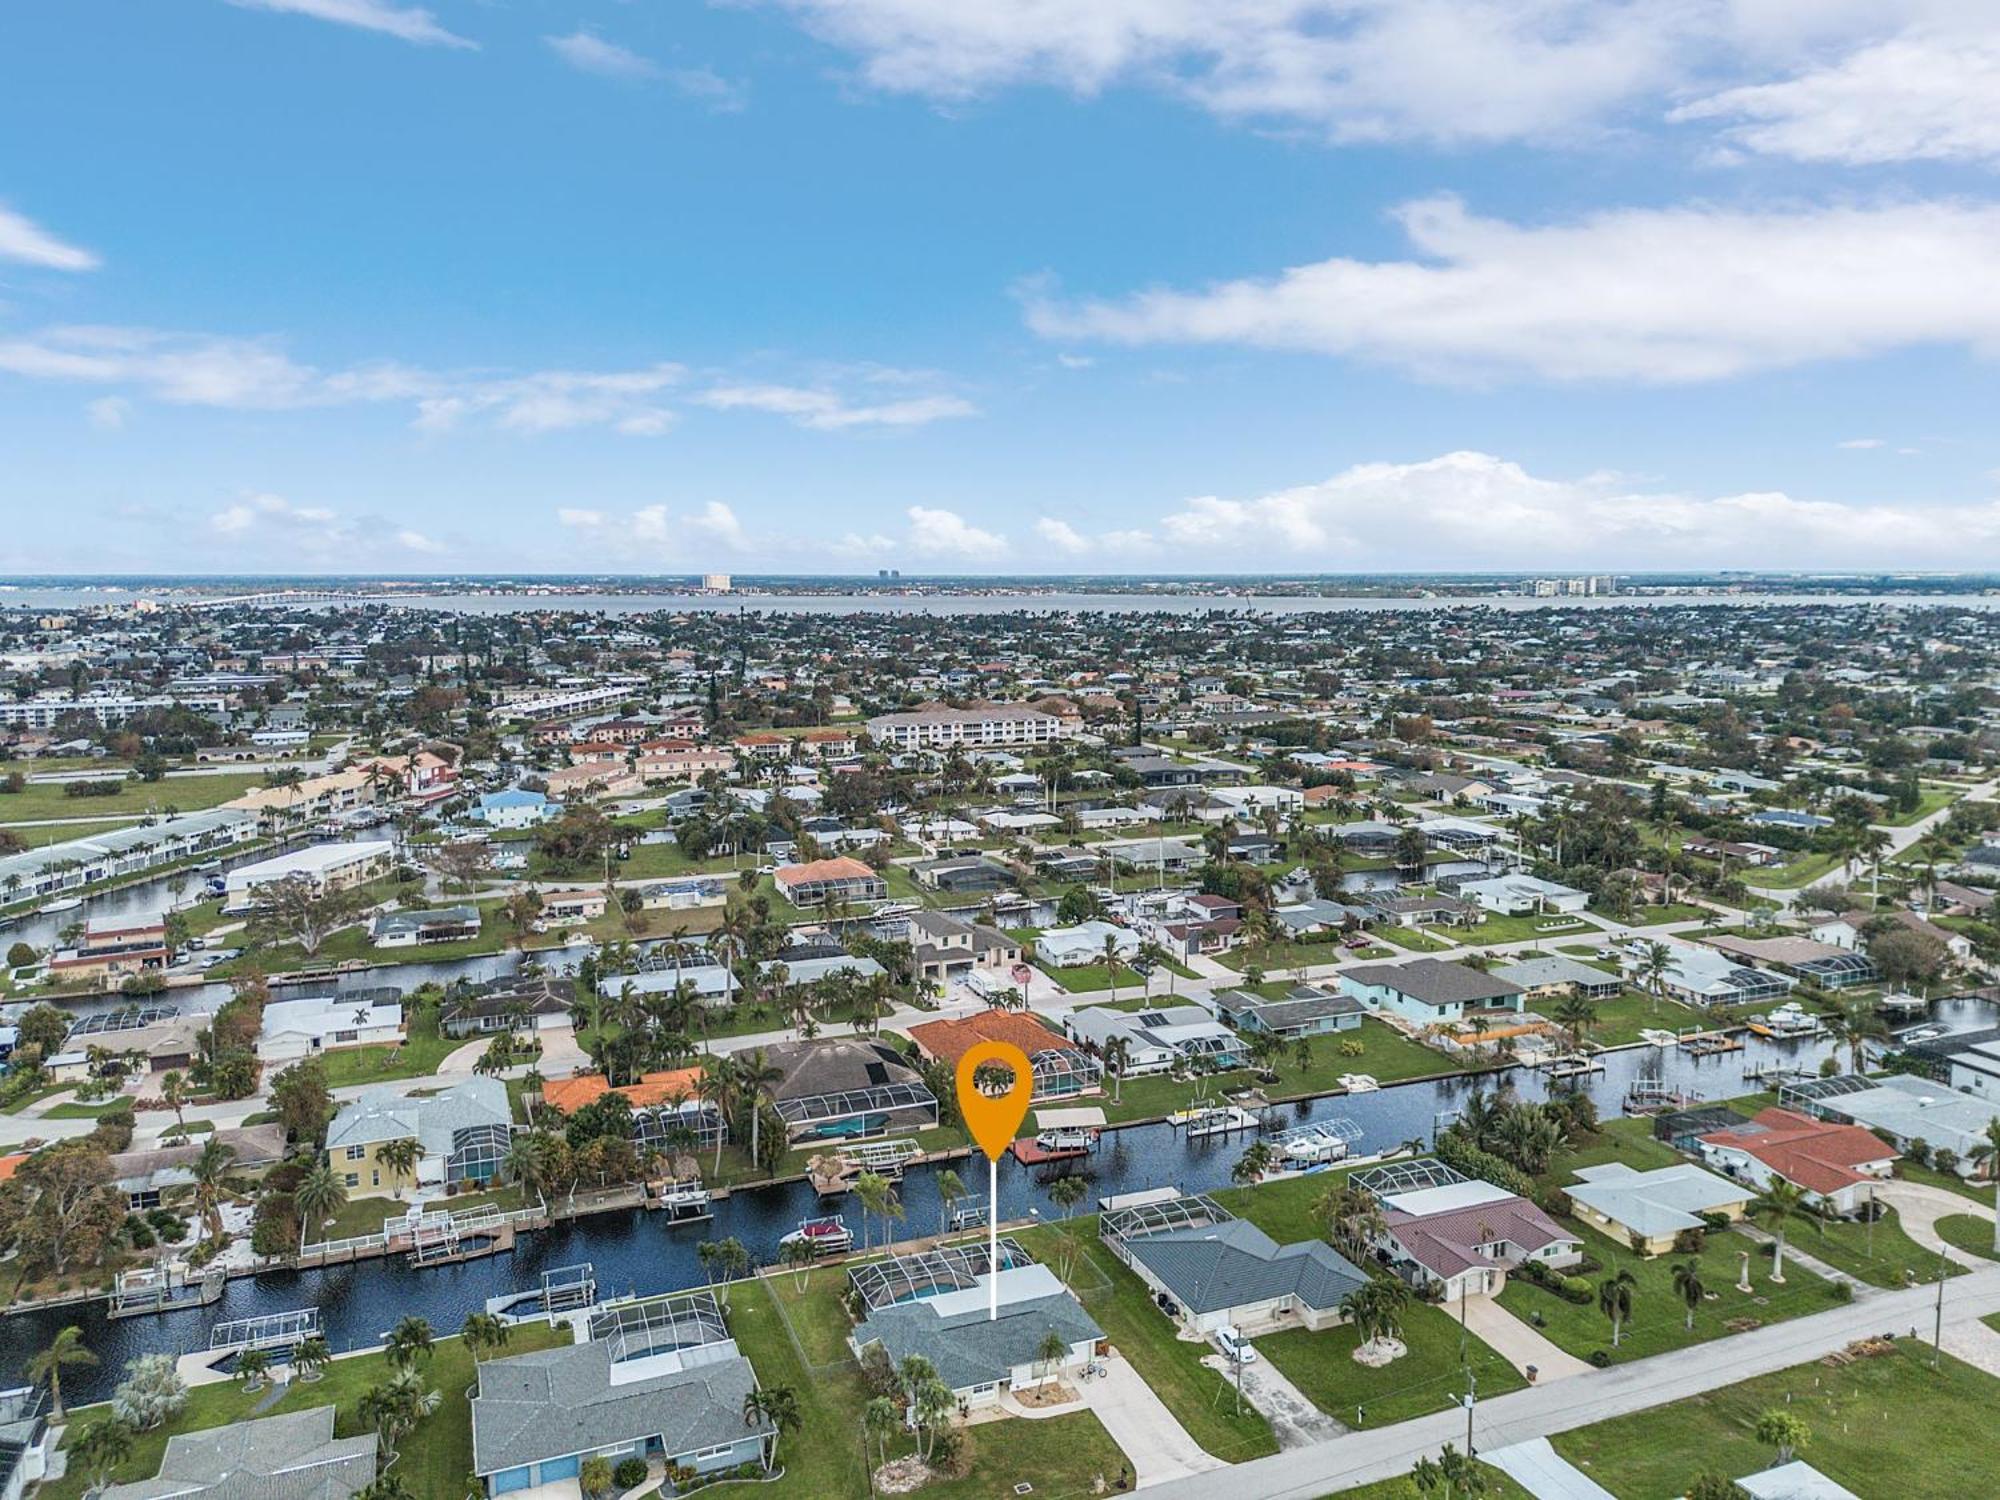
<point>463,1132</point>
<point>1650,1210</point>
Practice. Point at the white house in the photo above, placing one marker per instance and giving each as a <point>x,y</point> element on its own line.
<point>326,867</point>
<point>304,1028</point>
<point>515,808</point>
<point>1066,947</point>
<point>1516,895</point>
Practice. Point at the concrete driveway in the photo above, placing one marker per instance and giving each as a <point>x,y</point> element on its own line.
<point>1294,1420</point>
<point>1920,1206</point>
<point>1158,1447</point>
<point>1518,1343</point>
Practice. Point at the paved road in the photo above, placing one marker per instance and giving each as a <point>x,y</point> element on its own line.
<point>1540,1411</point>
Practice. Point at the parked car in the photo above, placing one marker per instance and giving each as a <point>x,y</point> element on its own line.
<point>1235,1345</point>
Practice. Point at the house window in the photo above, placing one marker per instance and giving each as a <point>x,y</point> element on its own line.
<point>356,1153</point>
<point>353,1179</point>
<point>706,1453</point>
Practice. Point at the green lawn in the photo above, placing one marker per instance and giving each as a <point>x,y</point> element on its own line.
<point>1929,800</point>
<point>1879,1254</point>
<point>1415,939</point>
<point>1968,1232</point>
<point>35,835</point>
<point>1085,979</point>
<point>186,793</point>
<point>1498,1487</point>
<point>365,1215</point>
<point>1279,958</point>
<point>435,1458</point>
<point>1951,1182</point>
<point>1531,925</point>
<point>1628,1139</point>
<point>1658,1321</point>
<point>1659,916</point>
<point>416,1056</point>
<point>1794,873</point>
<point>1429,1378</point>
<point>1882,1426</point>
<point>1384,1052</point>
<point>1621,1018</point>
<point>1123,1308</point>
<point>1061,1457</point>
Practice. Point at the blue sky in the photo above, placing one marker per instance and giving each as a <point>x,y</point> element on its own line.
<point>973,286</point>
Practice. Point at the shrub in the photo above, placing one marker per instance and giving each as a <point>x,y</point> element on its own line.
<point>20,956</point>
<point>139,1233</point>
<point>1576,1289</point>
<point>1690,1241</point>
<point>630,1473</point>
<point>1715,1221</point>
<point>1841,1291</point>
<point>1599,1358</point>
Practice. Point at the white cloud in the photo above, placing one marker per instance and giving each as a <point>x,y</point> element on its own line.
<point>705,86</point>
<point>946,534</point>
<point>718,523</point>
<point>827,411</point>
<point>1451,71</point>
<point>1928,94</point>
<point>1474,511</point>
<point>314,527</point>
<point>184,369</point>
<point>1067,541</point>
<point>589,53</point>
<point>1860,443</point>
<point>108,413</point>
<point>408,23</point>
<point>660,530</point>
<point>1663,295</point>
<point>1075,361</point>
<point>25,242</point>
<point>569,515</point>
<point>416,541</point>
<point>1062,536</point>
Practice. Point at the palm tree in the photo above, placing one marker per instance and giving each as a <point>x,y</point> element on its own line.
<point>173,1094</point>
<point>799,1256</point>
<point>484,1334</point>
<point>1253,1163</point>
<point>950,1188</point>
<point>1578,1013</point>
<point>401,1156</point>
<point>778,1405</point>
<point>1687,1282</point>
<point>65,1349</point>
<point>1049,1354</point>
<point>881,1419</point>
<point>753,1072</point>
<point>1656,961</point>
<point>311,1358</point>
<point>1614,1300</point>
<point>396,1406</point>
<point>1118,1057</point>
<point>716,1088</point>
<point>526,1162</point>
<point>1112,963</point>
<point>871,1191</point>
<point>1778,1205</point>
<point>594,1478</point>
<point>1988,1152</point>
<point>319,1195</point>
<point>102,1447</point>
<point>409,1341</point>
<point>208,1171</point>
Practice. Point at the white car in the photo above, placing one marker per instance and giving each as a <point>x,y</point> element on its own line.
<point>1235,1345</point>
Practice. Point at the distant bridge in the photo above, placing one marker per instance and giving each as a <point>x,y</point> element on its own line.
<point>279,599</point>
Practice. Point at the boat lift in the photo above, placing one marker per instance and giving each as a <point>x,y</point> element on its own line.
<point>265,1331</point>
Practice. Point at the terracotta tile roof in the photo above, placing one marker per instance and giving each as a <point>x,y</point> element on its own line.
<point>842,868</point>
<point>951,1040</point>
<point>568,1095</point>
<point>1819,1155</point>
<point>1448,1242</point>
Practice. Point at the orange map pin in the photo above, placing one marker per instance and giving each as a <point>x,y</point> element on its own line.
<point>994,1119</point>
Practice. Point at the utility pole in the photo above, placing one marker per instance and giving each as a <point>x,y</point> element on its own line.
<point>1471,1399</point>
<point>1937,1332</point>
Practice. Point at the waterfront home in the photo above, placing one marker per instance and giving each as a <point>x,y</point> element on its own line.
<point>1159,1038</point>
<point>1069,947</point>
<point>1454,1235</point>
<point>1702,976</point>
<point>1431,991</point>
<point>945,947</point>
<point>660,1381</point>
<point>1306,1010</point>
<point>937,1304</point>
<point>1215,1270</point>
<point>324,868</point>
<point>1556,976</point>
<point>1649,1210</point>
<point>841,878</point>
<point>293,1029</point>
<point>716,983</point>
<point>665,1105</point>
<point>1061,1069</point>
<point>32,874</point>
<point>27,1441</point>
<point>294,1455</point>
<point>1836,1165</point>
<point>1518,895</point>
<point>464,1131</point>
<point>517,1004</point>
<point>1904,1109</point>
<point>846,1088</point>
<point>514,808</point>
<point>112,948</point>
<point>417,929</point>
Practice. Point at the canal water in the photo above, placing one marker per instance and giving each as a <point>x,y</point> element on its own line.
<point>638,1253</point>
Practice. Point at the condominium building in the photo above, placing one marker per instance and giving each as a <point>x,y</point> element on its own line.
<point>939,727</point>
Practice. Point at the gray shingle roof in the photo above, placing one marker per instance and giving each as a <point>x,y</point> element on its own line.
<point>556,1402</point>
<point>968,1348</point>
<point>291,1457</point>
<point>386,1114</point>
<point>1434,981</point>
<point>1233,1264</point>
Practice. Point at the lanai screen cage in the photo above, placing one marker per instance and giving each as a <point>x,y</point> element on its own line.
<point>668,1126</point>
<point>1195,1211</point>
<point>131,1018</point>
<point>1392,1178</point>
<point>856,1112</point>
<point>930,1273</point>
<point>1840,971</point>
<point>1806,1093</point>
<point>659,1325</point>
<point>1064,1072</point>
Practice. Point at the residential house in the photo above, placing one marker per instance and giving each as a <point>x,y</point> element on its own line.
<point>1835,1164</point>
<point>1307,1010</point>
<point>945,948</point>
<point>1159,1037</point>
<point>1517,895</point>
<point>464,1131</point>
<point>846,1088</point>
<point>841,878</point>
<point>417,929</point>
<point>294,1454</point>
<point>1556,976</point>
<point>1061,1069</point>
<point>112,948</point>
<point>958,875</point>
<point>1459,1236</point>
<point>1069,947</point>
<point>1905,1109</point>
<point>1214,1270</point>
<point>1650,1210</point>
<point>515,808</point>
<point>530,1004</point>
<point>294,1029</point>
<point>324,867</point>
<point>1431,991</point>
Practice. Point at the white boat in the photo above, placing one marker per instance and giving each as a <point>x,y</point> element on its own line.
<point>57,908</point>
<point>827,1236</point>
<point>1789,1020</point>
<point>1224,1120</point>
<point>1657,1038</point>
<point>1359,1083</point>
<point>1319,1144</point>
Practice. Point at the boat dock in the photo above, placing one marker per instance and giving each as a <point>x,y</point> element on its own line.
<point>164,1289</point>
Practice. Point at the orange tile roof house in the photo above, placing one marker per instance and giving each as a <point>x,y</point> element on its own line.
<point>568,1095</point>
<point>812,884</point>
<point>1062,1070</point>
<point>1835,1164</point>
